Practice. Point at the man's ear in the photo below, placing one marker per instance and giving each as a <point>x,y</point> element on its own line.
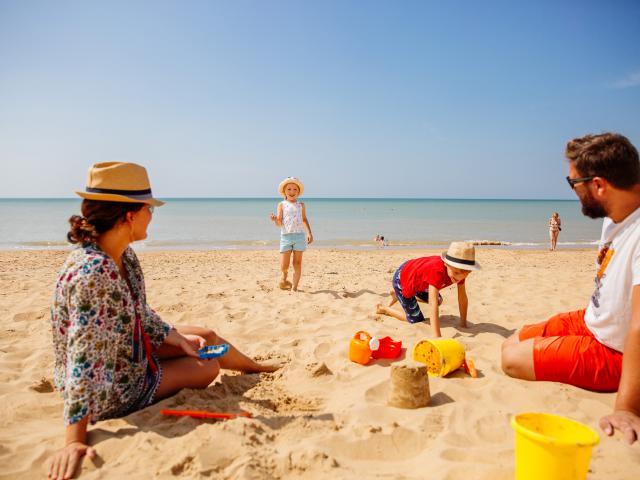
<point>601,185</point>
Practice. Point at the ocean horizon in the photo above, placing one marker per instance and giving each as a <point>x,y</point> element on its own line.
<point>351,223</point>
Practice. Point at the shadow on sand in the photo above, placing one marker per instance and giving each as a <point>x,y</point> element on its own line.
<point>474,328</point>
<point>344,294</point>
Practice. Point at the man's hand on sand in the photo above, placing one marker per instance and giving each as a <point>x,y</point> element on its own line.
<point>628,423</point>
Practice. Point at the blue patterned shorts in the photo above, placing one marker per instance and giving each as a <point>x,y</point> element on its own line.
<point>410,304</point>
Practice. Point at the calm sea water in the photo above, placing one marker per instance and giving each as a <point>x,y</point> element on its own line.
<point>341,223</point>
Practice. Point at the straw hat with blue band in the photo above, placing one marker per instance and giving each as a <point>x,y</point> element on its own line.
<point>461,255</point>
<point>119,182</point>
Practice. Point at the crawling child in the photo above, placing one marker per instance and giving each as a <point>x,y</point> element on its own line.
<point>421,279</point>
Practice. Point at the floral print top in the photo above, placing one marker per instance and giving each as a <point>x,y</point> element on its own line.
<point>103,331</point>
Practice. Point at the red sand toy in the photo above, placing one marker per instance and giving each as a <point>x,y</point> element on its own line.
<point>470,368</point>
<point>364,347</point>
<point>387,349</point>
<point>204,414</point>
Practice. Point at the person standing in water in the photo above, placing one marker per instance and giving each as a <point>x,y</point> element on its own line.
<point>554,230</point>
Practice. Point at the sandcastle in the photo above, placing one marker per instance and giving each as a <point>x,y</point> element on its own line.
<point>409,386</point>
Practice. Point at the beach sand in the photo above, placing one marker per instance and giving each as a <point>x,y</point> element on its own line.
<point>321,416</point>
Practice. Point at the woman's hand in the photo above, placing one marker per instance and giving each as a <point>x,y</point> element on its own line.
<point>64,462</point>
<point>193,343</point>
<point>190,344</point>
<point>309,238</point>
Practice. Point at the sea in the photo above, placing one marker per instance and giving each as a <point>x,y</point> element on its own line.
<point>337,223</point>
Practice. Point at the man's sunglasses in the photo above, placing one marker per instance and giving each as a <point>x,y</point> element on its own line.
<point>574,181</point>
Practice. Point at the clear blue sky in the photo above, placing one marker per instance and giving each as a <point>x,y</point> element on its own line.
<point>470,99</point>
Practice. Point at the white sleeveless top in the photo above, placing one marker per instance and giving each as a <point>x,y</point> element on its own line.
<point>291,217</point>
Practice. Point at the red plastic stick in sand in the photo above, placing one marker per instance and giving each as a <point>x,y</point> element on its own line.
<point>204,414</point>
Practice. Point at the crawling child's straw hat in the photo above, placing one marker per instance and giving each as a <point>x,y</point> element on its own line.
<point>461,255</point>
<point>119,182</point>
<point>289,180</point>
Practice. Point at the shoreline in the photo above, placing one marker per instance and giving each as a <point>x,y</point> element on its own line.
<point>480,245</point>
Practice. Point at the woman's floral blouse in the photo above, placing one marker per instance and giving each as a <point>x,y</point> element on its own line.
<point>99,325</point>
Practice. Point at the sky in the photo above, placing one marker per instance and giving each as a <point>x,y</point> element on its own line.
<point>425,99</point>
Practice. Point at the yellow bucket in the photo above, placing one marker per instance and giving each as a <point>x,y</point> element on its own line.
<point>440,355</point>
<point>552,447</point>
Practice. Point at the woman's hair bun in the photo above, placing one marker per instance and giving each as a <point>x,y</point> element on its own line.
<point>81,230</point>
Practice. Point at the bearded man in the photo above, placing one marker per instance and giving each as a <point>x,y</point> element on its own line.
<point>597,348</point>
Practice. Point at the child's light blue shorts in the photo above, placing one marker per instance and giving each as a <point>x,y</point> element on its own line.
<point>293,241</point>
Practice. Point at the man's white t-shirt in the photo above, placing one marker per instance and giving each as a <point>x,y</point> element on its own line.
<point>617,271</point>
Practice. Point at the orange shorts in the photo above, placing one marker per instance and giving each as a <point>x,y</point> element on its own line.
<point>565,350</point>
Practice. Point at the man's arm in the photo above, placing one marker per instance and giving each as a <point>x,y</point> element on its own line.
<point>626,415</point>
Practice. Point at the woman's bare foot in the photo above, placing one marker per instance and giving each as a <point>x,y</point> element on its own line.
<point>284,284</point>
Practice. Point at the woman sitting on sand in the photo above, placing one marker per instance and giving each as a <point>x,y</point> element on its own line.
<point>113,354</point>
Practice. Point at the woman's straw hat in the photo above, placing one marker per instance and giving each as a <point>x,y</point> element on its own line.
<point>119,182</point>
<point>461,255</point>
<point>289,180</point>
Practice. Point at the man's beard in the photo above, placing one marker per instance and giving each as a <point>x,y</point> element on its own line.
<point>590,207</point>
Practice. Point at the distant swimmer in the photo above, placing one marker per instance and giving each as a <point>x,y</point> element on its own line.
<point>554,230</point>
<point>380,241</point>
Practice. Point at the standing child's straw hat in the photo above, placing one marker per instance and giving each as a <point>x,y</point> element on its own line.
<point>289,180</point>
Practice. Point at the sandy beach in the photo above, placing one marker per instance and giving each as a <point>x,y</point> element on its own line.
<point>321,416</point>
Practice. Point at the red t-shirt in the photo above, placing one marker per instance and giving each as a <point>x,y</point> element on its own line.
<point>417,274</point>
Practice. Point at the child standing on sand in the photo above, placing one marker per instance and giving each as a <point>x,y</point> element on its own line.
<point>295,231</point>
<point>422,278</point>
